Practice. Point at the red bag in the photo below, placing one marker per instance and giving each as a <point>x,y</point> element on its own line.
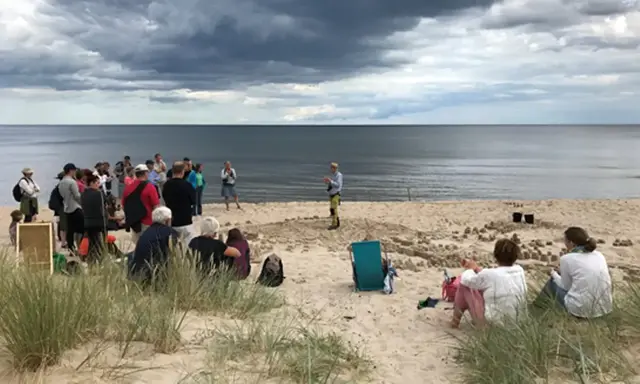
<point>449,289</point>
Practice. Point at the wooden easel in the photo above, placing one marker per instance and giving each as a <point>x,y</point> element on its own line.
<point>35,244</point>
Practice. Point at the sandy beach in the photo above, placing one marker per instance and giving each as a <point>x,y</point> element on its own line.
<point>406,345</point>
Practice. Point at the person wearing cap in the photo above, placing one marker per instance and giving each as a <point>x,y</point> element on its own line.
<point>29,199</point>
<point>72,205</point>
<point>334,188</point>
<point>139,199</point>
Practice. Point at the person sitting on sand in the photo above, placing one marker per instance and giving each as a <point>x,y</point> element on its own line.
<point>211,252</point>
<point>242,264</point>
<point>491,294</point>
<point>582,283</point>
<point>154,247</point>
<point>16,218</point>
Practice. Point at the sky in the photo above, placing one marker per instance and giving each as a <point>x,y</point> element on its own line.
<point>319,62</point>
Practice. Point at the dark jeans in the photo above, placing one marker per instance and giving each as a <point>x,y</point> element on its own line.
<point>197,208</point>
<point>551,292</point>
<point>75,225</point>
<point>96,244</point>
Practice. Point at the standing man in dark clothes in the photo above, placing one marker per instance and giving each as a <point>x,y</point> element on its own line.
<point>70,192</point>
<point>180,196</point>
<point>95,218</point>
<point>139,199</point>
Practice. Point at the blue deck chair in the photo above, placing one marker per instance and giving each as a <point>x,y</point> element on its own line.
<point>366,260</point>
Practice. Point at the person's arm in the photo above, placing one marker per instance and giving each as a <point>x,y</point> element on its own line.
<point>480,281</point>
<point>75,192</point>
<point>192,195</point>
<point>224,175</point>
<point>193,180</point>
<point>26,187</point>
<point>36,187</point>
<point>153,195</point>
<point>231,252</point>
<point>563,280</point>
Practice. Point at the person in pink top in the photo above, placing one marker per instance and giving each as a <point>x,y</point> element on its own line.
<point>128,176</point>
<point>492,294</point>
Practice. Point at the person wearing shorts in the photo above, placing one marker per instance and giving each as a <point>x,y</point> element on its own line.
<point>229,176</point>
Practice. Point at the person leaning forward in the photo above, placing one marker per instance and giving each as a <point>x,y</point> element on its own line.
<point>334,188</point>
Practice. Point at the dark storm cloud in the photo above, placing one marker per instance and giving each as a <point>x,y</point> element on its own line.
<point>221,44</point>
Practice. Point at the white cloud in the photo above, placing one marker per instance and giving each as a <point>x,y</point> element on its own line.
<point>561,67</point>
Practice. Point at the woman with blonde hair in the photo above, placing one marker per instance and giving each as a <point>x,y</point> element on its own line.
<point>211,252</point>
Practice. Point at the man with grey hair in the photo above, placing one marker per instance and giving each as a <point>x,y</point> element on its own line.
<point>334,188</point>
<point>154,247</point>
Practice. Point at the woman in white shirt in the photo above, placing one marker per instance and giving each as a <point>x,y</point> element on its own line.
<point>492,294</point>
<point>582,283</point>
<point>29,199</point>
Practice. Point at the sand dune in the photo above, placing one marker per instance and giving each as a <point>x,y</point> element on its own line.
<point>407,345</point>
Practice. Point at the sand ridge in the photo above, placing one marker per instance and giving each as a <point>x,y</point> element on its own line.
<point>407,345</point>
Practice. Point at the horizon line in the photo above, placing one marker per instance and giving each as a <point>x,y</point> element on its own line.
<point>322,125</point>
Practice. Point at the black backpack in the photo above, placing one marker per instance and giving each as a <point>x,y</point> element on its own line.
<point>134,209</point>
<point>272,274</point>
<point>56,202</point>
<point>17,191</point>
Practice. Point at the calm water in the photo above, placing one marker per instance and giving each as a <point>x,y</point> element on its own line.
<point>379,163</point>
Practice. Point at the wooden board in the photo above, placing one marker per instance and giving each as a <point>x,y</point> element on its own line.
<point>35,246</point>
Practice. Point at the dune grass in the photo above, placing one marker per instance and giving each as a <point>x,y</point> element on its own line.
<point>548,346</point>
<point>43,316</point>
<point>283,348</point>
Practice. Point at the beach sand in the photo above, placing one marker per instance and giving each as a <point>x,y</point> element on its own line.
<point>407,345</point>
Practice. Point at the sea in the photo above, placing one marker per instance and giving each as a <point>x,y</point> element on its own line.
<point>379,163</point>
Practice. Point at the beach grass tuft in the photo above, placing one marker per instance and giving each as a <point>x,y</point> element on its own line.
<point>284,347</point>
<point>548,346</point>
<point>42,316</point>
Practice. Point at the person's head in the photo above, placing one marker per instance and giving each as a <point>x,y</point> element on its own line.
<point>234,235</point>
<point>106,165</point>
<point>150,164</point>
<point>93,181</point>
<point>161,215</point>
<point>128,171</point>
<point>141,172</point>
<point>188,165</point>
<point>506,252</point>
<point>198,167</point>
<point>16,216</point>
<point>178,169</point>
<point>157,157</point>
<point>578,237</point>
<point>99,166</point>
<point>69,169</point>
<point>85,174</point>
<point>227,165</point>
<point>79,174</point>
<point>127,160</point>
<point>209,227</point>
<point>334,167</point>
<point>27,172</point>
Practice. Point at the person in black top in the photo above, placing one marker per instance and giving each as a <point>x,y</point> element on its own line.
<point>153,249</point>
<point>179,196</point>
<point>211,252</point>
<point>95,217</point>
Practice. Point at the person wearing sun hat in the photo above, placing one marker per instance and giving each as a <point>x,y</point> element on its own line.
<point>29,199</point>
